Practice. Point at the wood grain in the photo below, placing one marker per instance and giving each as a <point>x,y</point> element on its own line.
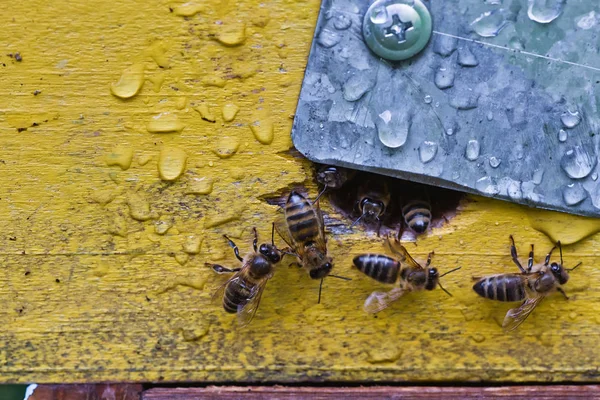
<point>100,280</point>
<point>119,391</point>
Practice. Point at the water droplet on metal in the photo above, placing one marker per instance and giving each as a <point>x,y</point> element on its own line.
<point>466,58</point>
<point>328,38</point>
<point>427,151</point>
<point>577,162</point>
<point>449,131</point>
<point>514,190</point>
<point>519,152</point>
<point>570,119</point>
<point>562,136</point>
<point>490,116</point>
<point>545,11</point>
<point>594,176</point>
<point>490,23</point>
<point>538,176</point>
<point>356,86</point>
<point>486,185</point>
<point>472,150</point>
<point>494,162</point>
<point>574,194</point>
<point>465,101</point>
<point>393,127</point>
<point>379,15</point>
<point>342,22</point>
<point>444,78</point>
<point>427,99</point>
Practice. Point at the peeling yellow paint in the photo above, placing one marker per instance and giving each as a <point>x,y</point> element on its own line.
<point>106,298</point>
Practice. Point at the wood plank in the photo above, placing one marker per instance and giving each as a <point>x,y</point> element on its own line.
<point>94,289</point>
<point>105,391</point>
<point>562,392</point>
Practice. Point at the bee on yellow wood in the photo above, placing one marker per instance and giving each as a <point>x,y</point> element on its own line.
<point>333,177</point>
<point>530,286</point>
<point>373,200</point>
<point>403,270</point>
<point>242,292</point>
<point>417,215</point>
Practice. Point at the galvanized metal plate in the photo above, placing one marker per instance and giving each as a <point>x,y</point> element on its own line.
<point>504,101</point>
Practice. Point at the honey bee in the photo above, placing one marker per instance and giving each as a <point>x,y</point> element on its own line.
<point>242,292</point>
<point>411,277</point>
<point>531,285</point>
<point>333,177</point>
<point>417,215</point>
<point>373,201</point>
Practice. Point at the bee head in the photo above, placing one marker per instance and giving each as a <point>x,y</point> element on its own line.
<point>270,252</point>
<point>329,176</point>
<point>433,277</point>
<point>559,273</point>
<point>371,209</point>
<point>323,270</point>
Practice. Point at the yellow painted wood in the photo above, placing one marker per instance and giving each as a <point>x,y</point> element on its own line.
<point>95,284</point>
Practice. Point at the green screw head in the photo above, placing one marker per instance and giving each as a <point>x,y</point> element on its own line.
<point>397,29</point>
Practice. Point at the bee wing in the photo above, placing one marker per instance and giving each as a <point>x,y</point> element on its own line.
<point>378,301</point>
<point>283,232</point>
<point>397,248</point>
<point>247,311</point>
<point>516,316</point>
<point>218,294</point>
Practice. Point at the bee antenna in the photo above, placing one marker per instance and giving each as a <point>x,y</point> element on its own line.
<point>320,289</point>
<point>560,249</point>
<point>320,194</point>
<point>452,270</point>
<point>447,292</point>
<point>273,233</point>
<point>571,269</point>
<point>340,277</point>
<point>356,222</point>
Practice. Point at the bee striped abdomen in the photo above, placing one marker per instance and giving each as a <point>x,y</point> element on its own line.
<point>301,218</point>
<point>501,288</point>
<point>236,293</point>
<point>379,267</point>
<point>417,215</point>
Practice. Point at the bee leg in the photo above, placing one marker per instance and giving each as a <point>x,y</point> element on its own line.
<point>429,258</point>
<point>379,227</point>
<point>255,241</point>
<point>530,262</point>
<point>234,247</point>
<point>547,261</point>
<point>513,253</point>
<point>219,269</point>
<point>563,293</point>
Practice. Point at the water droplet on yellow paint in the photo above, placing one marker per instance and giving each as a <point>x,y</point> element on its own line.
<point>121,156</point>
<point>231,33</point>
<point>214,81</point>
<point>194,334</point>
<point>130,83</point>
<point>103,197</point>
<point>201,185</point>
<point>205,113</point>
<point>263,130</point>
<point>181,103</point>
<point>467,314</point>
<point>573,315</point>
<point>153,237</point>
<point>478,338</point>
<point>547,338</point>
<point>162,226</point>
<point>564,227</point>
<point>211,164</point>
<point>157,52</point>
<point>182,258</point>
<point>192,244</point>
<point>187,9</point>
<point>117,225</point>
<point>217,219</point>
<point>144,159</point>
<point>157,81</point>
<point>171,163</point>
<point>165,123</point>
<point>197,283</point>
<point>229,112</point>
<point>388,354</point>
<point>226,146</point>
<point>100,270</point>
<point>115,177</point>
<point>139,208</point>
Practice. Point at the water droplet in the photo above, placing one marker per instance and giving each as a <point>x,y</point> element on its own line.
<point>466,58</point>
<point>587,21</point>
<point>229,112</point>
<point>449,131</point>
<point>570,119</point>
<point>356,86</point>
<point>478,338</point>
<point>187,9</point>
<point>514,190</point>
<point>538,176</point>
<point>192,244</point>
<point>444,45</point>
<point>490,116</point>
<point>486,185</point>
<point>328,38</point>
<point>226,146</point>
<point>565,227</point>
<point>427,151</point>
<point>164,123</point>
<point>263,130</point>
<point>490,23</point>
<point>202,185</point>
<point>562,136</point>
<point>574,194</point>
<point>117,226</point>
<point>139,208</point>
<point>342,22</point>
<point>121,156</point>
<point>162,226</point>
<point>379,15</point>
<point>594,176</point>
<point>465,101</point>
<point>519,152</point>
<point>577,162</point>
<point>494,162</point>
<point>231,34</point>
<point>130,83</point>
<point>444,78</point>
<point>427,99</point>
<point>393,127</point>
<point>516,43</point>
<point>171,163</point>
<point>545,11</point>
<point>213,81</point>
<point>472,150</point>
<point>205,112</point>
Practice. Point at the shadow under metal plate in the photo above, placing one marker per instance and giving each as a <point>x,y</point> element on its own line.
<point>498,103</point>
